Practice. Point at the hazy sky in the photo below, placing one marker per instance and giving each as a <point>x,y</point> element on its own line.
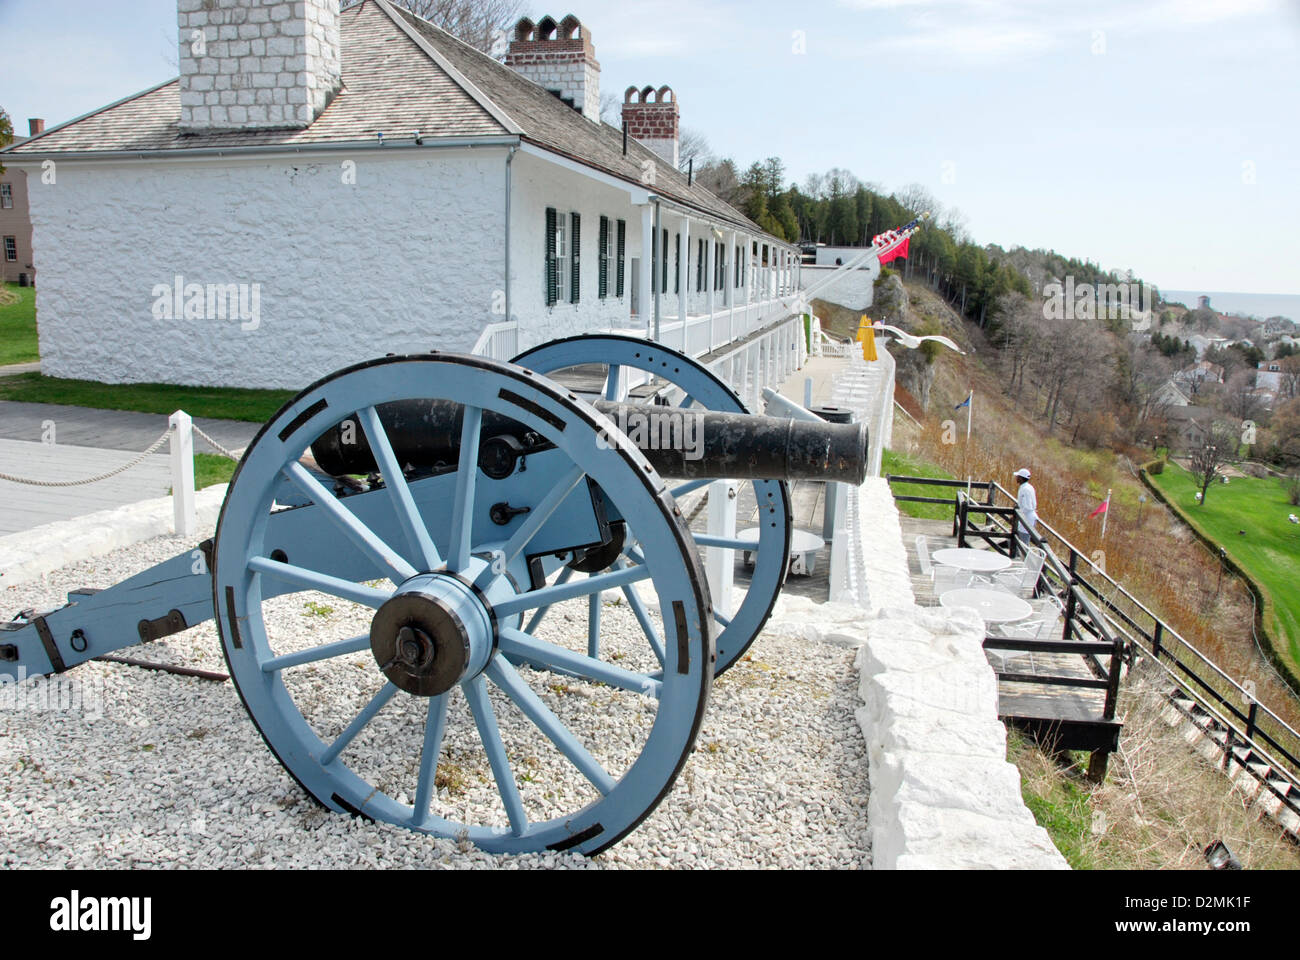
<point>1160,135</point>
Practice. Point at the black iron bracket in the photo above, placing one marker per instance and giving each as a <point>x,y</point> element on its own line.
<point>173,622</point>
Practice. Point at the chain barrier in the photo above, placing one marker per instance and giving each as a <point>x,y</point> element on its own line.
<point>103,476</point>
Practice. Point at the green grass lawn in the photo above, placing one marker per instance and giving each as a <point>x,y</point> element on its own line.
<point>905,466</point>
<point>1270,549</point>
<point>18,327</point>
<point>221,403</point>
<point>211,469</point>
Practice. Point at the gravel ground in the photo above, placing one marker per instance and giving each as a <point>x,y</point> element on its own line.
<point>156,770</point>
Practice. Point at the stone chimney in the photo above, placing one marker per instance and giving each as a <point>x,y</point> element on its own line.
<point>561,59</point>
<point>653,119</point>
<point>35,127</point>
<point>257,64</point>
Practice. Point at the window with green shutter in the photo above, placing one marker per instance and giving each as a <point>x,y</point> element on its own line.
<point>699,269</point>
<point>654,262</point>
<point>663,263</point>
<point>575,284</point>
<point>552,272</point>
<point>602,281</point>
<point>622,253</point>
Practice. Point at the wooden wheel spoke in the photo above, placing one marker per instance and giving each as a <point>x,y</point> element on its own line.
<point>530,704</point>
<point>384,556</point>
<point>490,735</point>
<point>408,514</point>
<point>519,644</point>
<point>434,726</point>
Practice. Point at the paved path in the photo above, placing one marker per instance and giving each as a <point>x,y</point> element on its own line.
<point>14,369</point>
<point>87,443</point>
<point>23,507</point>
<point>110,429</point>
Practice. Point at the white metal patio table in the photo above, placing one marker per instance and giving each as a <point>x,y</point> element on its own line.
<point>967,558</point>
<point>994,606</point>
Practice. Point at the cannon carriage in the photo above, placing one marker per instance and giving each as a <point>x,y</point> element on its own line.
<point>471,517</point>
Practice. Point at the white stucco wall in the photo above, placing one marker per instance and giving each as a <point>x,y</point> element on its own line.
<point>407,258</point>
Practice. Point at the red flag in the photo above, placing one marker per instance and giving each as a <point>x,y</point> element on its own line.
<point>898,251</point>
<point>1100,510</point>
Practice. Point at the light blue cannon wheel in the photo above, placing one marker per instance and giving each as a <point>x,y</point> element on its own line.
<point>462,690</point>
<point>702,389</point>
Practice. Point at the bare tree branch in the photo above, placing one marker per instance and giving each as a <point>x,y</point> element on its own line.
<point>483,24</point>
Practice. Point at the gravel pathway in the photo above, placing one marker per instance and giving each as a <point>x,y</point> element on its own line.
<point>160,771</point>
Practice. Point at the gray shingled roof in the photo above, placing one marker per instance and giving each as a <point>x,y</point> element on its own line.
<point>400,74</point>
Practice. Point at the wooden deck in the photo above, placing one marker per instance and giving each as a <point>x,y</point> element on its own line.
<point>1070,717</point>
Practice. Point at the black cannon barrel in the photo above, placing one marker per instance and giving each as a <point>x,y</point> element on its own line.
<point>678,442</point>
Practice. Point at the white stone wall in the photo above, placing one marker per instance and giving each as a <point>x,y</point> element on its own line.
<point>573,77</point>
<point>943,795</point>
<point>854,289</point>
<point>408,258</point>
<point>257,63</point>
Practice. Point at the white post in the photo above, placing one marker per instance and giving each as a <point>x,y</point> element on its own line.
<point>710,260</point>
<point>808,393</point>
<point>182,456</point>
<point>644,300</point>
<point>684,288</point>
<point>720,563</point>
<point>731,286</point>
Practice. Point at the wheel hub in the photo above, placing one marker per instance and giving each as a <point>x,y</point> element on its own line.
<point>434,633</point>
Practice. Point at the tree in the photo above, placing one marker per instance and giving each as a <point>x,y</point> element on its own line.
<point>1239,397</point>
<point>722,179</point>
<point>483,24</point>
<point>1207,462</point>
<point>1290,379</point>
<point>611,110</point>
<point>694,145</point>
<point>6,133</point>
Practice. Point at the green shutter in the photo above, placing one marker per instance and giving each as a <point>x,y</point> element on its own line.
<point>622,249</point>
<point>664,261</point>
<point>603,270</point>
<point>699,269</point>
<point>552,278</point>
<point>654,261</point>
<point>575,287</point>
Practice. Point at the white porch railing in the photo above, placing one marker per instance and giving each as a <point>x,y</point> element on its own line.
<point>499,341</point>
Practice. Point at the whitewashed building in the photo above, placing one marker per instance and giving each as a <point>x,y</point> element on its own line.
<point>318,188</point>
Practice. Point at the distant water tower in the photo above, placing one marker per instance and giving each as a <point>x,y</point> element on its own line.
<point>1203,303</point>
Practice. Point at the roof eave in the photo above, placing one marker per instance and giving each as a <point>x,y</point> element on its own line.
<point>324,146</point>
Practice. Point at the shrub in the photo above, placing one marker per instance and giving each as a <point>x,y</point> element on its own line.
<point>1155,467</point>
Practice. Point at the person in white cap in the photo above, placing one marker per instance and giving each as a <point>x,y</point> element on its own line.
<point>1027,504</point>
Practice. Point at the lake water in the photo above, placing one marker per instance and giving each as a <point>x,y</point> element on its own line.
<point>1248,304</point>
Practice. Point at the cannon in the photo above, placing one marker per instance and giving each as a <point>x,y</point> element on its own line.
<point>462,513</point>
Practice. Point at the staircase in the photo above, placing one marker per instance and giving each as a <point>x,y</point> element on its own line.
<point>1254,778</point>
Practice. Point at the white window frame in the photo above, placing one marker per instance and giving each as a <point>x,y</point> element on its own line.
<point>6,196</point>
<point>11,249</point>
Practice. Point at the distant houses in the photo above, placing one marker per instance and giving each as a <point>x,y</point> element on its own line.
<point>17,265</point>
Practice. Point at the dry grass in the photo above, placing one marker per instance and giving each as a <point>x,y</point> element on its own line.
<point>1146,548</point>
<point>1160,806</point>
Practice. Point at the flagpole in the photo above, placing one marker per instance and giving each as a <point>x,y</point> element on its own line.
<point>1105,516</point>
